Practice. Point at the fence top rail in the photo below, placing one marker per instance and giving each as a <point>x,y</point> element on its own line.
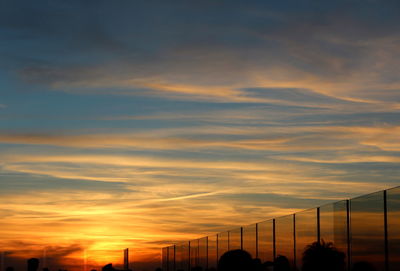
<point>393,188</point>
<point>367,195</point>
<point>332,203</point>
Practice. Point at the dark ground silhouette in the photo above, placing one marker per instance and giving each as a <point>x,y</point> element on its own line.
<point>281,263</point>
<point>363,266</point>
<point>318,256</point>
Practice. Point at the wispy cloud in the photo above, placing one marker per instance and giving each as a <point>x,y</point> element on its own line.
<point>349,159</point>
<point>295,138</point>
<point>336,91</point>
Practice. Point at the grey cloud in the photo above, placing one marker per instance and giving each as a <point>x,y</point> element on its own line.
<point>178,43</point>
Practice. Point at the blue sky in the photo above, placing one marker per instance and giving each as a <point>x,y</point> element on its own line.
<point>201,115</point>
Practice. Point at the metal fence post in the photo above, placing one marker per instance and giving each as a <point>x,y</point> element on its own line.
<point>294,241</point>
<point>386,230</point>
<point>318,227</point>
<point>274,238</point>
<point>348,235</point>
<point>257,240</point>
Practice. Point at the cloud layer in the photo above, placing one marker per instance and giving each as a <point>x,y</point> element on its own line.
<point>139,125</point>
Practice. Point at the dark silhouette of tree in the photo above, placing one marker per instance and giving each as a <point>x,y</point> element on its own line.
<point>235,260</point>
<point>323,256</point>
<point>281,263</point>
<point>33,264</point>
<point>257,265</point>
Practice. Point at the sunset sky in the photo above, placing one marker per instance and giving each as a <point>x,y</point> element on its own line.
<point>142,123</point>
